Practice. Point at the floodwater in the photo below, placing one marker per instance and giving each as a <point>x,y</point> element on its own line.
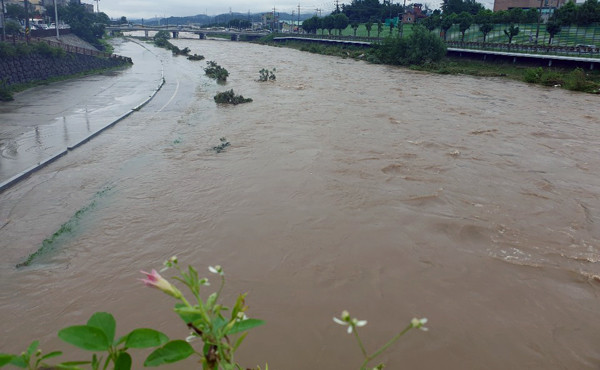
<point>474,202</point>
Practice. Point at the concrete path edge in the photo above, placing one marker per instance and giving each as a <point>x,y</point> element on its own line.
<point>15,179</point>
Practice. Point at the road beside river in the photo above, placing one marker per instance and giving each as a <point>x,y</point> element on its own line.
<point>45,120</point>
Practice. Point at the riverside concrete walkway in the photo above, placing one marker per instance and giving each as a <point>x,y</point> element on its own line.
<point>44,122</point>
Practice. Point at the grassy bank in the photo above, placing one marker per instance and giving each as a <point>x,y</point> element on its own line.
<point>569,78</point>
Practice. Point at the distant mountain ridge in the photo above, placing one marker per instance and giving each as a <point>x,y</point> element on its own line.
<point>202,19</point>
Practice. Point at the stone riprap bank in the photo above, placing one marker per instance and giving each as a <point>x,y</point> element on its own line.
<point>36,67</point>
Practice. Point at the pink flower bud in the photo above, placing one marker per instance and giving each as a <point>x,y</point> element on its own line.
<point>153,279</point>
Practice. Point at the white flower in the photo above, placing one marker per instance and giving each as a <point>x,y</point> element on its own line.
<point>216,270</point>
<point>352,323</point>
<point>169,263</point>
<point>418,323</point>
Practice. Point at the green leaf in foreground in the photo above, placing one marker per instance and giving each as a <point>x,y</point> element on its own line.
<point>173,351</point>
<point>245,325</point>
<point>85,337</point>
<point>51,355</point>
<point>145,338</point>
<point>123,361</point>
<point>71,365</point>
<point>32,347</point>
<point>18,361</point>
<point>105,322</point>
<point>5,358</point>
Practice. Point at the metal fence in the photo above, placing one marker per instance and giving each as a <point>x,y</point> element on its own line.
<point>67,47</point>
<point>569,36</point>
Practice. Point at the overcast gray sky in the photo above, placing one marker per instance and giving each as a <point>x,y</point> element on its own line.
<point>160,8</point>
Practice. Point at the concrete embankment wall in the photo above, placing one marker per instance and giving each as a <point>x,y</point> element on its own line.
<point>35,67</point>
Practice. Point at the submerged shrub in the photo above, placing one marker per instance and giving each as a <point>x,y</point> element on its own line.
<point>216,71</point>
<point>229,97</point>
<point>221,147</point>
<point>266,75</point>
<point>196,57</point>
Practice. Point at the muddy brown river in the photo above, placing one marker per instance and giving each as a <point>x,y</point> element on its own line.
<point>474,202</point>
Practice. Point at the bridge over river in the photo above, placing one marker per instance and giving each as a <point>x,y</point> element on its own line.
<point>202,33</point>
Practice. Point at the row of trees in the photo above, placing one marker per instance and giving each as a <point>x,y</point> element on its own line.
<point>463,12</point>
<point>471,13</point>
<point>331,22</point>
<point>582,15</point>
<point>569,14</point>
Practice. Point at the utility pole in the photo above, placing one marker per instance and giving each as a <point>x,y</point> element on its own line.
<point>318,10</point>
<point>56,19</point>
<point>98,6</point>
<point>537,31</point>
<point>400,20</point>
<point>26,3</point>
<point>3,26</point>
<point>298,19</point>
<point>273,24</point>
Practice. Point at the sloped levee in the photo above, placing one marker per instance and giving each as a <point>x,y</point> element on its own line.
<point>36,67</point>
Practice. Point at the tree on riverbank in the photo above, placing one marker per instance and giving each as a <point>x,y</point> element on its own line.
<point>420,47</point>
<point>88,26</point>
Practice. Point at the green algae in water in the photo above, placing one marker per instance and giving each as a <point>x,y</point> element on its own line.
<point>65,231</point>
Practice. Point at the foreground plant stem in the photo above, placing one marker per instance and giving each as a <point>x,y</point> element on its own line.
<point>382,349</point>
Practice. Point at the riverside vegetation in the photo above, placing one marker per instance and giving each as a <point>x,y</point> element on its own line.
<point>229,97</point>
<point>216,71</point>
<point>425,51</point>
<point>161,39</point>
<point>218,329</point>
<point>267,75</point>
